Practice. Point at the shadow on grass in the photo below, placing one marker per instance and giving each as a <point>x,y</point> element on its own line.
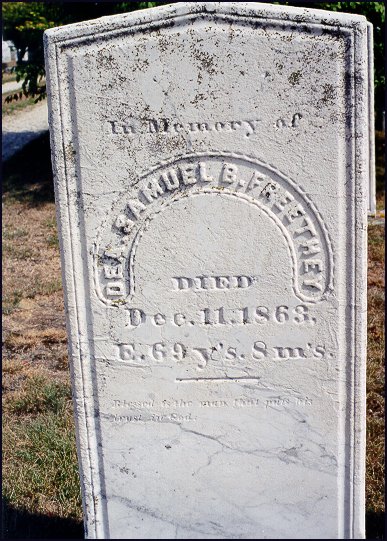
<point>20,524</point>
<point>375,525</point>
<point>27,175</point>
<point>380,160</point>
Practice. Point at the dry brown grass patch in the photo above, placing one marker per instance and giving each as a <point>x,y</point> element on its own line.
<point>375,372</point>
<point>32,338</point>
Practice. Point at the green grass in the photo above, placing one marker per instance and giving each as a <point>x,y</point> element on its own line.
<point>41,287</point>
<point>41,396</point>
<point>375,385</point>
<point>17,252</point>
<point>14,234</point>
<point>50,223</point>
<point>40,470</point>
<point>53,240</point>
<point>44,473</point>
<point>11,301</point>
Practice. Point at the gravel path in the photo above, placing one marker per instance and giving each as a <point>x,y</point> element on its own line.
<point>22,127</point>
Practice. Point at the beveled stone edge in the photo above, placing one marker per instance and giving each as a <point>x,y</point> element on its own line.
<point>278,13</point>
<point>371,104</point>
<point>361,171</point>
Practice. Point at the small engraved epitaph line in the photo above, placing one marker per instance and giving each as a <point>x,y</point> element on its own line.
<point>237,378</point>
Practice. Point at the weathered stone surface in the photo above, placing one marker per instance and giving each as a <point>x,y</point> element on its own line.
<point>372,177</point>
<point>212,168</point>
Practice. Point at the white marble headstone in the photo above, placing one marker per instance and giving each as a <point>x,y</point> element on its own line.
<point>371,105</point>
<point>212,166</point>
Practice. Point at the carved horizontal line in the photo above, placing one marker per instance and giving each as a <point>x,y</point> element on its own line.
<point>237,378</point>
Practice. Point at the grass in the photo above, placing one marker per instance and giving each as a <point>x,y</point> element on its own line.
<point>40,472</point>
<point>375,375</point>
<point>12,234</point>
<point>17,252</point>
<point>380,169</point>
<point>8,77</point>
<point>53,240</point>
<point>41,489</point>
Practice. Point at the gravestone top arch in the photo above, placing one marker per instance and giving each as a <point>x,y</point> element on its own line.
<point>211,166</point>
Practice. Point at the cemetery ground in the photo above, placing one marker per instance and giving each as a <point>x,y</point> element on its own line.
<point>8,77</point>
<point>40,471</point>
<point>22,103</point>
<point>14,100</point>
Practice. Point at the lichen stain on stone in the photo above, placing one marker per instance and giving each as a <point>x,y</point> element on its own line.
<point>329,94</point>
<point>70,153</point>
<point>295,77</point>
<point>198,98</point>
<point>164,43</point>
<point>106,60</point>
<point>206,61</point>
<point>162,144</point>
<point>233,33</point>
<point>140,64</point>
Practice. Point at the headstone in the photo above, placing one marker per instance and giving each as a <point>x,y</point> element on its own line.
<point>211,171</point>
<point>9,52</point>
<point>6,52</point>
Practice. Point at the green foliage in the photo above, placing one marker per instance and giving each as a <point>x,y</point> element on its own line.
<point>25,22</point>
